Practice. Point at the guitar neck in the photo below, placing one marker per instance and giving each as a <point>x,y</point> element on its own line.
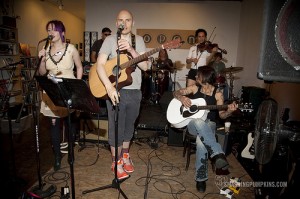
<point>212,107</point>
<point>140,58</point>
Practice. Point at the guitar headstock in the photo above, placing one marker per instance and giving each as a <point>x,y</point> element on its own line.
<point>245,107</point>
<point>172,44</point>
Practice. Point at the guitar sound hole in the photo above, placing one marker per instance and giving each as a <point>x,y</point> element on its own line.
<point>115,71</point>
<point>193,109</point>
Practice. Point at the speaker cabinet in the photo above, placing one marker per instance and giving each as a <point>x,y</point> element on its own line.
<point>253,95</point>
<point>175,137</point>
<point>280,49</point>
<point>94,127</point>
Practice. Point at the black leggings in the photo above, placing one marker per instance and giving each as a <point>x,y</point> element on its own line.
<point>56,133</point>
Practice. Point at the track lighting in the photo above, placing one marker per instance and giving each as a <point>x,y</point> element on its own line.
<point>60,4</point>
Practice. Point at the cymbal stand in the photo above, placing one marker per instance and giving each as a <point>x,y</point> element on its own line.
<point>174,81</point>
<point>155,91</point>
<point>231,78</point>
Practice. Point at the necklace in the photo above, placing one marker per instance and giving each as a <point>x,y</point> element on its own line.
<point>58,53</point>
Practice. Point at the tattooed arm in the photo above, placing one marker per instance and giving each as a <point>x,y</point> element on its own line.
<point>181,95</point>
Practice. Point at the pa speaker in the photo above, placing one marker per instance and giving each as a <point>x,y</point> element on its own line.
<point>280,49</point>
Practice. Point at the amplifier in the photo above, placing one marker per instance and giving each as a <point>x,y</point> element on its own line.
<point>175,137</point>
<point>91,128</point>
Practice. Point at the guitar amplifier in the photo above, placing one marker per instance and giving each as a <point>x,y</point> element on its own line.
<point>175,137</point>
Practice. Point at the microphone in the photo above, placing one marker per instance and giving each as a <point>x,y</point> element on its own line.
<point>50,37</point>
<point>121,27</point>
<point>48,41</point>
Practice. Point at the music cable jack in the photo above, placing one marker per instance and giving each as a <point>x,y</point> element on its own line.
<point>65,192</point>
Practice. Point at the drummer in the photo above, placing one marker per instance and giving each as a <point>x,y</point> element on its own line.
<point>163,62</point>
<point>219,67</point>
<point>164,66</point>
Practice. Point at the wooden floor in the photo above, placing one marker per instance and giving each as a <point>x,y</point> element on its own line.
<point>159,173</point>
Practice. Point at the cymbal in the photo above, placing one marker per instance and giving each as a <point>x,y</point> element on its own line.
<point>233,77</point>
<point>232,69</point>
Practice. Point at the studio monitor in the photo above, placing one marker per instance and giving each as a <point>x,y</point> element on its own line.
<point>280,49</point>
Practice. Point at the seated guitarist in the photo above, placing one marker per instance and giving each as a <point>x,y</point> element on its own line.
<point>207,146</point>
<point>129,97</point>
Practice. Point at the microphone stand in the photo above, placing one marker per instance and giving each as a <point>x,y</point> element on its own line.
<point>38,190</point>
<point>115,182</point>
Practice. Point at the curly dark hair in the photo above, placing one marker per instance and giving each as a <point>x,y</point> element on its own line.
<point>200,30</point>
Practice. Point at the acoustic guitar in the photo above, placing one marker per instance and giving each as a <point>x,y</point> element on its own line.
<point>179,116</point>
<point>125,69</point>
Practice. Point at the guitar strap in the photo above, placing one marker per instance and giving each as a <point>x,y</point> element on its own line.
<point>133,42</point>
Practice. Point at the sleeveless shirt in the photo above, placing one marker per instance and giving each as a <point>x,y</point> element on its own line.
<point>210,100</point>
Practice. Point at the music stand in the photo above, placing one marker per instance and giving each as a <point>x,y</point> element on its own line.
<point>72,94</point>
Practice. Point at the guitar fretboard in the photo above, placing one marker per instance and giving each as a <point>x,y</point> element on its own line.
<point>140,58</point>
<point>211,107</point>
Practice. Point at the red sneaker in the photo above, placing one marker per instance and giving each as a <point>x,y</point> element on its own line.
<point>121,174</point>
<point>127,165</point>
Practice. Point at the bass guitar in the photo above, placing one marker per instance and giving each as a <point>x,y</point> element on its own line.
<point>125,69</point>
<point>179,116</point>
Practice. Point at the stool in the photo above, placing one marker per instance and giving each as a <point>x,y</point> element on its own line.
<point>189,147</point>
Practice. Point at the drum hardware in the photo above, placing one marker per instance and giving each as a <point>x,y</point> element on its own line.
<point>220,81</point>
<point>231,78</point>
<point>154,81</point>
<point>232,69</point>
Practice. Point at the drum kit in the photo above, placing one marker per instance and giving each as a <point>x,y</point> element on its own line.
<point>228,73</point>
<point>155,82</point>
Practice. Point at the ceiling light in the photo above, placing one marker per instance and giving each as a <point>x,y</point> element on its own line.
<point>60,5</point>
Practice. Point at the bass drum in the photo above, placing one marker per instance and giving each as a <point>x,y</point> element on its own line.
<point>220,82</point>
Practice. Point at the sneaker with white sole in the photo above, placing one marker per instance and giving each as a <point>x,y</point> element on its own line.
<point>127,165</point>
<point>121,174</point>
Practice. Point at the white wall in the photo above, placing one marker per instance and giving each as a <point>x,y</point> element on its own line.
<point>183,16</point>
<point>238,30</point>
<point>35,14</point>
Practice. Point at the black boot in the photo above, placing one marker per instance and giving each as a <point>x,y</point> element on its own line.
<point>201,186</point>
<point>57,162</point>
<point>219,161</point>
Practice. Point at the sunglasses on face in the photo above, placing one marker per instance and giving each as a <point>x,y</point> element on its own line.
<point>107,34</point>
